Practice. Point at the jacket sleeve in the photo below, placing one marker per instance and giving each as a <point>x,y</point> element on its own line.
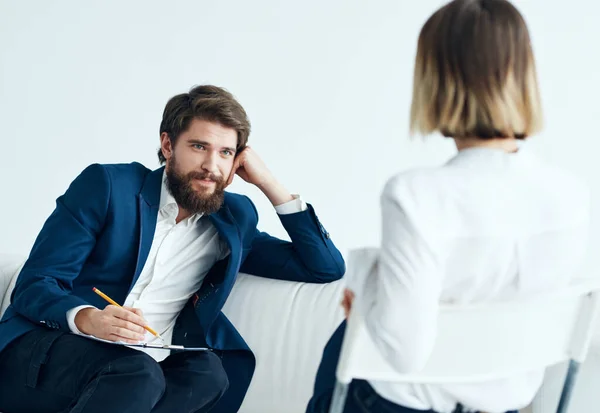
<point>43,289</point>
<point>310,257</point>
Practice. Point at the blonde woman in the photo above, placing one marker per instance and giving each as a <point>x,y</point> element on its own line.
<point>492,223</point>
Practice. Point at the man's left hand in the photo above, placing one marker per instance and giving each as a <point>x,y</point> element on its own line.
<point>250,168</point>
<point>253,170</point>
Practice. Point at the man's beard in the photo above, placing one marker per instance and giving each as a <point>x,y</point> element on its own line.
<point>182,189</point>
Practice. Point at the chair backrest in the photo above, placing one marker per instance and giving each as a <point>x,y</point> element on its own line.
<point>486,341</point>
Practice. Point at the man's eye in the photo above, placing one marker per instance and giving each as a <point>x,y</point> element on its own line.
<point>227,152</point>
<point>198,146</point>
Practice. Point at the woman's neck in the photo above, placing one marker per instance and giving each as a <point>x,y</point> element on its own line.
<point>505,144</point>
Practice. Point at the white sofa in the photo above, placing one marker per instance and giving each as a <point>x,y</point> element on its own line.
<point>287,325</point>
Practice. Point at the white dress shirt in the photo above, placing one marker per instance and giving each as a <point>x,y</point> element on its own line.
<point>488,225</point>
<point>180,257</point>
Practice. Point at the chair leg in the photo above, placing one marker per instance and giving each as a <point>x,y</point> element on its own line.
<point>567,390</point>
<point>338,401</point>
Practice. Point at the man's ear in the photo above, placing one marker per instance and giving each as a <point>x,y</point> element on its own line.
<point>166,145</point>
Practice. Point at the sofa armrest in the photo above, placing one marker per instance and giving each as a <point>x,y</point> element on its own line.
<point>10,267</point>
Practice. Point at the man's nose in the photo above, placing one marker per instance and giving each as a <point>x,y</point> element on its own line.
<point>210,163</point>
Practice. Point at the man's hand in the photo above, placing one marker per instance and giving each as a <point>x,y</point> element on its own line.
<point>113,323</point>
<point>252,169</point>
<point>347,301</point>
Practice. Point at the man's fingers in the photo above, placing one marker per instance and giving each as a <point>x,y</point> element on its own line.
<point>132,317</point>
<point>126,315</point>
<point>126,334</point>
<point>117,322</point>
<point>137,311</point>
<point>115,337</point>
<point>236,165</point>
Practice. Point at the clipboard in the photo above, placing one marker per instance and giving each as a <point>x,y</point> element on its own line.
<point>147,345</point>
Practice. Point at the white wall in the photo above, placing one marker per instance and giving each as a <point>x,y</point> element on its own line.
<point>326,84</point>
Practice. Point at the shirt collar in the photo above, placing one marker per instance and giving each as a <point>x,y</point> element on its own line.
<point>493,157</point>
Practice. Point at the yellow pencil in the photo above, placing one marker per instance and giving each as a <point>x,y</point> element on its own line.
<point>113,302</point>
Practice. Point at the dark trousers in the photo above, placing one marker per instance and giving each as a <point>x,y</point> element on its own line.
<point>361,398</point>
<point>47,371</point>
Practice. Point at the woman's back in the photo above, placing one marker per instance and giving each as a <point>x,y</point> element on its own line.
<point>506,222</point>
<point>491,225</point>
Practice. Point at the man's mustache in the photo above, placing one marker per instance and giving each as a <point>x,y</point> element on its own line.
<point>205,175</point>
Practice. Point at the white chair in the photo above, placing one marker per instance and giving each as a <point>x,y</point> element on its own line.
<point>487,341</point>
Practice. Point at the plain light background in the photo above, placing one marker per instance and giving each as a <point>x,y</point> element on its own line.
<point>327,85</point>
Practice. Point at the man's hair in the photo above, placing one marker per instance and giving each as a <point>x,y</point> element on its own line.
<point>475,73</point>
<point>205,102</point>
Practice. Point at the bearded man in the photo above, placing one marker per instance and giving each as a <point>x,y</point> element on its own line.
<point>166,245</point>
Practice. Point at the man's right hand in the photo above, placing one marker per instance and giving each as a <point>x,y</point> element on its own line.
<point>113,323</point>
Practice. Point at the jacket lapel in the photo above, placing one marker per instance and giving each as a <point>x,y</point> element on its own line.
<point>228,229</point>
<point>148,203</point>
<point>209,313</point>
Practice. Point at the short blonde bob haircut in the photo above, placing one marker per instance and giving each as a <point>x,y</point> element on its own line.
<point>475,73</point>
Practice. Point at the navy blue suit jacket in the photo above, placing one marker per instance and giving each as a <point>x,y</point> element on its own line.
<point>100,235</point>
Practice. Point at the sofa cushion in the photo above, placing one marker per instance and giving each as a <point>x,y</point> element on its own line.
<point>287,325</point>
